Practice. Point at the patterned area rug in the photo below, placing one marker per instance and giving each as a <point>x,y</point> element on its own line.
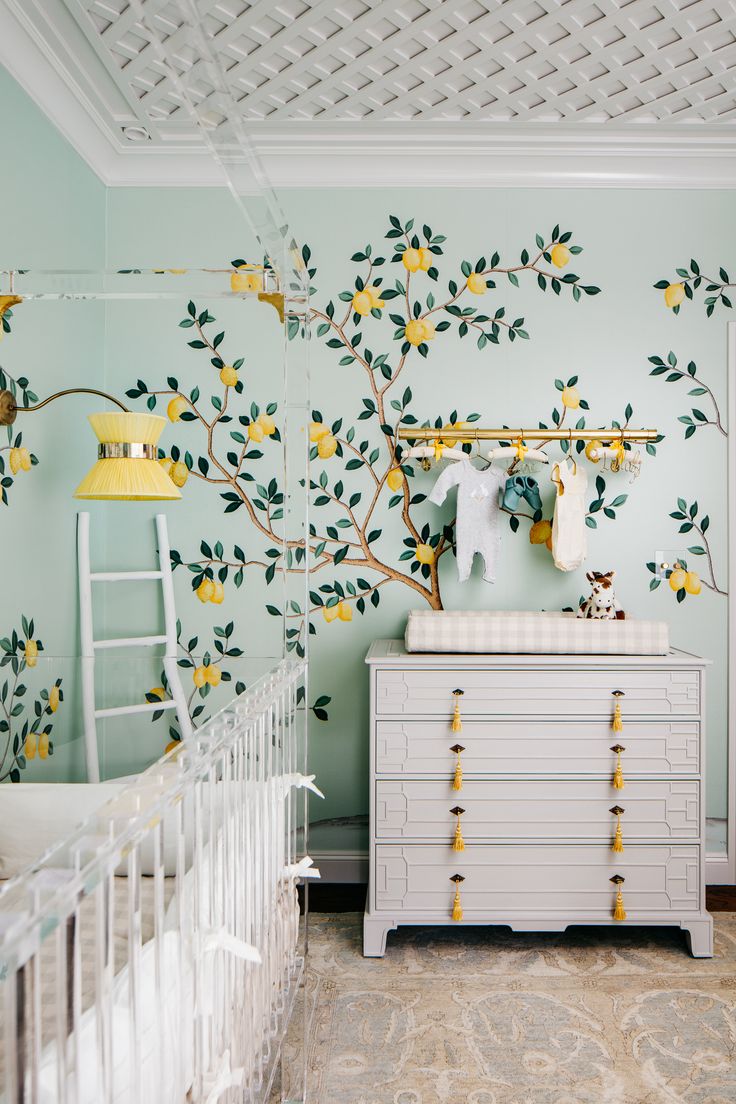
<point>486,1016</point>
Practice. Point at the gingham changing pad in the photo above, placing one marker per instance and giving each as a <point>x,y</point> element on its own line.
<point>512,632</point>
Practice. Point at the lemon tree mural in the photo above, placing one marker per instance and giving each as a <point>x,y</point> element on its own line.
<point>15,458</point>
<point>382,326</point>
<point>682,577</point>
<point>25,718</point>
<point>689,280</point>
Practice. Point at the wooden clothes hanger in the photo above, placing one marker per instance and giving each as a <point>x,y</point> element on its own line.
<point>519,451</point>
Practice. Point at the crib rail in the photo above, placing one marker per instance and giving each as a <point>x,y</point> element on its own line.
<point>153,957</point>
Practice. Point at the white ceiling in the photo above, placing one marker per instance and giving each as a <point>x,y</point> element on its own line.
<point>483,91</point>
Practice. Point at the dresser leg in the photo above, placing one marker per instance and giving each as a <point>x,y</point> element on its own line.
<point>700,937</point>
<point>375,930</point>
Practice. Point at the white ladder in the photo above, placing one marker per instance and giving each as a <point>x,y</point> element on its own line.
<point>90,646</point>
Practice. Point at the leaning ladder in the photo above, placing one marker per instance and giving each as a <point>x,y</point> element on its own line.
<point>90,646</point>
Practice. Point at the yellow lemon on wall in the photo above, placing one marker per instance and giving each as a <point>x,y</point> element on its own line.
<point>166,463</point>
<point>30,746</point>
<point>375,296</point>
<point>411,259</point>
<point>677,579</point>
<point>326,446</point>
<point>255,432</point>
<point>571,397</point>
<point>362,302</point>
<point>540,532</point>
<point>171,745</point>
<point>199,677</point>
<point>425,553</point>
<point>176,408</point>
<point>428,329</point>
<point>477,283</point>
<point>157,692</point>
<point>245,279</point>
<point>344,611</point>
<point>54,698</point>
<point>414,332</point>
<point>43,745</point>
<point>205,590</point>
<point>692,582</point>
<point>330,613</point>
<point>560,255</point>
<point>674,295</point>
<point>31,653</point>
<point>395,479</point>
<point>317,430</point>
<point>425,259</point>
<point>590,448</point>
<point>179,473</point>
<point>14,460</point>
<point>267,424</point>
<point>213,674</point>
<point>218,593</point>
<point>25,459</point>
<point>228,375</point>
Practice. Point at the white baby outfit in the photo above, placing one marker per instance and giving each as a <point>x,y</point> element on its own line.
<point>569,531</point>
<point>476,528</point>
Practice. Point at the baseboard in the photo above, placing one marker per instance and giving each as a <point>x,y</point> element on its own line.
<point>342,866</point>
<point>718,869</point>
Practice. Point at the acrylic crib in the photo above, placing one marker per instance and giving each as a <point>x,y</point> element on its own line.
<point>154,956</point>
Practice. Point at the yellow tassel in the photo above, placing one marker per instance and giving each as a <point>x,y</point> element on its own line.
<point>457,724</point>
<point>618,912</point>
<point>457,782</point>
<point>458,844</point>
<point>618,840</point>
<point>618,724</point>
<point>618,774</point>
<point>457,911</point>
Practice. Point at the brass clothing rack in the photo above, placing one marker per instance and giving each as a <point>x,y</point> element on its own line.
<point>427,433</point>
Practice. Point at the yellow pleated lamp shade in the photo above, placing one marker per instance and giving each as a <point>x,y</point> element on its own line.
<point>127,468</point>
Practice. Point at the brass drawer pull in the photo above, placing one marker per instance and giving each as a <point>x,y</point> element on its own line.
<point>617,725</point>
<point>618,774</point>
<point>618,912</point>
<point>457,724</point>
<point>457,782</point>
<point>457,909</point>
<point>458,843</point>
<point>618,839</point>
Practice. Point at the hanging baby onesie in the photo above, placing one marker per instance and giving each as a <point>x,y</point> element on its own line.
<point>476,528</point>
<point>569,531</point>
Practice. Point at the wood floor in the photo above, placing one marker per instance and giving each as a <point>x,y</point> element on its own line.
<point>344,897</point>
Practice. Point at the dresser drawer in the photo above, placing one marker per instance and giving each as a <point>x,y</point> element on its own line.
<point>506,747</point>
<point>545,692</point>
<point>515,881</point>
<point>537,810</point>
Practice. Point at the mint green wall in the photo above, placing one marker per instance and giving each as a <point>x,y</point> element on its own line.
<point>54,217</point>
<point>630,239</point>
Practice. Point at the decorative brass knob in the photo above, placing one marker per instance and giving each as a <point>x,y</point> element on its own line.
<point>457,782</point>
<point>458,843</point>
<point>618,912</point>
<point>457,724</point>
<point>457,909</point>
<point>618,774</point>
<point>618,839</point>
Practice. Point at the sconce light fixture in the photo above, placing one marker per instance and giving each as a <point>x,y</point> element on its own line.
<point>127,467</point>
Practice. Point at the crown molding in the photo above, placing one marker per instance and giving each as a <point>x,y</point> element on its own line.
<point>349,154</point>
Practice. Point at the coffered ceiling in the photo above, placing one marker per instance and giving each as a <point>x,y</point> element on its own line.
<point>374,91</point>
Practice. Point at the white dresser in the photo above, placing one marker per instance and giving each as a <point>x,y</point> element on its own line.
<point>537,808</point>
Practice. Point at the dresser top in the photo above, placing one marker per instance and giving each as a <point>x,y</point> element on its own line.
<point>387,653</point>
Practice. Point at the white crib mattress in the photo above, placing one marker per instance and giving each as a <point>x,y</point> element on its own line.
<point>527,632</point>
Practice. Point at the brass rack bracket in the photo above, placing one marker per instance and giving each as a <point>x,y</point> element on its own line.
<point>8,301</point>
<point>276,299</point>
